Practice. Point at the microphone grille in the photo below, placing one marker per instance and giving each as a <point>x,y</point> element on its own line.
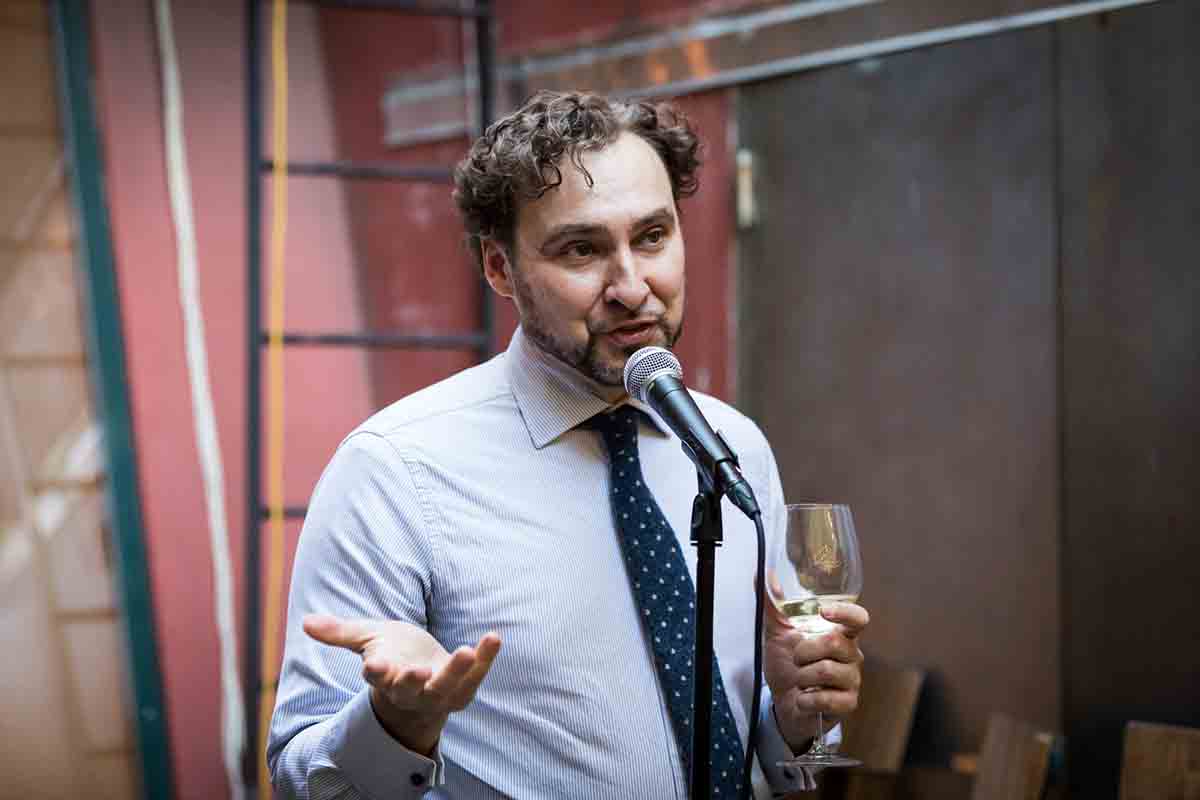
<point>647,364</point>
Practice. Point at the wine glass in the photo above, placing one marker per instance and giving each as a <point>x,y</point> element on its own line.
<point>817,562</point>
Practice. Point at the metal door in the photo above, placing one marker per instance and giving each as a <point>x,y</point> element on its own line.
<point>897,332</point>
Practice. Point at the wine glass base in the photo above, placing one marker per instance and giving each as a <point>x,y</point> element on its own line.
<point>821,760</point>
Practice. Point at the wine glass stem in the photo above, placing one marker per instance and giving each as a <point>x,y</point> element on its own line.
<point>818,745</point>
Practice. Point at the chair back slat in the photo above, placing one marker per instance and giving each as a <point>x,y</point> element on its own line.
<point>1014,761</point>
<point>1160,762</point>
<point>877,732</point>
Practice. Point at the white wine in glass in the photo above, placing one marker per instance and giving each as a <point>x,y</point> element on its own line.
<point>817,562</point>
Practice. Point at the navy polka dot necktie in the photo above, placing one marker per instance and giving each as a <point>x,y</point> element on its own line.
<point>666,599</point>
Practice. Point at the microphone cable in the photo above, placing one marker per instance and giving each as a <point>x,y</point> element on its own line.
<point>756,697</point>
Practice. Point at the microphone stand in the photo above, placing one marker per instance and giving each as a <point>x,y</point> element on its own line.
<point>707,536</point>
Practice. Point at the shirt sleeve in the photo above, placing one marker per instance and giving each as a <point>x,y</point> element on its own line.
<point>773,749</point>
<point>325,740</point>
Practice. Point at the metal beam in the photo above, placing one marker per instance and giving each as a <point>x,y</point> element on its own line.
<point>721,51</point>
<point>986,26</point>
<point>485,69</point>
<point>111,391</point>
<point>365,171</point>
<point>452,341</point>
<point>253,545</point>
<point>429,8</point>
<point>289,512</point>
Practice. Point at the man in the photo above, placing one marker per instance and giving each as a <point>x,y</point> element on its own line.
<point>474,612</point>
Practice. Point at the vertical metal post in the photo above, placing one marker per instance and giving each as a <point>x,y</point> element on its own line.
<point>485,74</point>
<point>253,649</point>
<point>485,63</point>
<point>707,535</point>
<point>110,387</point>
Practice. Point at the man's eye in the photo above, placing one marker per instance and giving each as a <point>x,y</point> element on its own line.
<point>579,250</point>
<point>654,236</point>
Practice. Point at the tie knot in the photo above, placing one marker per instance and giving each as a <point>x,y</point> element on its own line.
<point>616,425</point>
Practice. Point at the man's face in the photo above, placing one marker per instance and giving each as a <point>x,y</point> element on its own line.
<point>597,272</point>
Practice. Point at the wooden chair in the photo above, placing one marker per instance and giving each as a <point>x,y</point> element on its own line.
<point>1160,762</point>
<point>877,732</point>
<point>1014,761</point>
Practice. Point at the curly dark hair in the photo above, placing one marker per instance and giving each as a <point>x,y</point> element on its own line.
<point>520,155</point>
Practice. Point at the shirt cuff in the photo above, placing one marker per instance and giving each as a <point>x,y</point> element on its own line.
<point>772,748</point>
<point>372,760</point>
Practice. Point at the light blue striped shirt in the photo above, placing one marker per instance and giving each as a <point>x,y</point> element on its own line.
<point>478,504</point>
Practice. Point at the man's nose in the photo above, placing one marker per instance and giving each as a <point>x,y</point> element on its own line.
<point>627,285</point>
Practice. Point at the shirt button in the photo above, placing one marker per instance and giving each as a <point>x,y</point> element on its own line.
<point>417,779</point>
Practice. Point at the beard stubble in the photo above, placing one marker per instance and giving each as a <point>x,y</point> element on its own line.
<point>583,356</point>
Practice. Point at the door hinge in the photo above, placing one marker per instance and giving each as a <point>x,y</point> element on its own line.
<point>747,189</point>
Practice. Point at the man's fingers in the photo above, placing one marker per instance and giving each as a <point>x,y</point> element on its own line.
<point>405,665</point>
<point>455,684</point>
<point>399,681</point>
<point>403,687</point>
<point>485,653</point>
<point>833,645</point>
<point>829,674</point>
<point>445,682</point>
<point>851,616</point>
<point>351,634</point>
<point>830,702</point>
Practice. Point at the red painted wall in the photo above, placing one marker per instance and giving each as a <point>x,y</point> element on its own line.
<point>541,26</point>
<point>414,271</point>
<point>408,238</point>
<point>360,255</point>
<point>326,391</point>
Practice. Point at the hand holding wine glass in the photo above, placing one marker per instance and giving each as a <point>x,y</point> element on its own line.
<point>814,578</point>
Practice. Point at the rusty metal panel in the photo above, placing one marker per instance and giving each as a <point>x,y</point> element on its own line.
<point>684,49</point>
<point>1131,280</point>
<point>898,345</point>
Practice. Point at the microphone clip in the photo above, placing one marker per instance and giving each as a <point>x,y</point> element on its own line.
<point>706,468</point>
<point>723,476</point>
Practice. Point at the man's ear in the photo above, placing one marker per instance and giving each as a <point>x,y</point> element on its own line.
<point>496,267</point>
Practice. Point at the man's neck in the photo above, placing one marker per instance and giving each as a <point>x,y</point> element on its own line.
<point>610,394</point>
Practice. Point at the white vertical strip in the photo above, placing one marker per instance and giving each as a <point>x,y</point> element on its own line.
<point>207,444</point>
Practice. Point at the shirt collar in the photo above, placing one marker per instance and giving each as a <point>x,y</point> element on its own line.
<point>554,397</point>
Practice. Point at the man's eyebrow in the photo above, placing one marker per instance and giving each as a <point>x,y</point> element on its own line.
<point>560,232</point>
<point>656,217</point>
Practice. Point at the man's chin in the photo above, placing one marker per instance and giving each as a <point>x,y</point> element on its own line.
<point>604,361</point>
<point>606,372</point>
<point>609,368</point>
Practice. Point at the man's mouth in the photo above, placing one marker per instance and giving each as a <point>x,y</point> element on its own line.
<point>632,334</point>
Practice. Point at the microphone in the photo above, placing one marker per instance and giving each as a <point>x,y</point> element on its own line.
<point>653,376</point>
